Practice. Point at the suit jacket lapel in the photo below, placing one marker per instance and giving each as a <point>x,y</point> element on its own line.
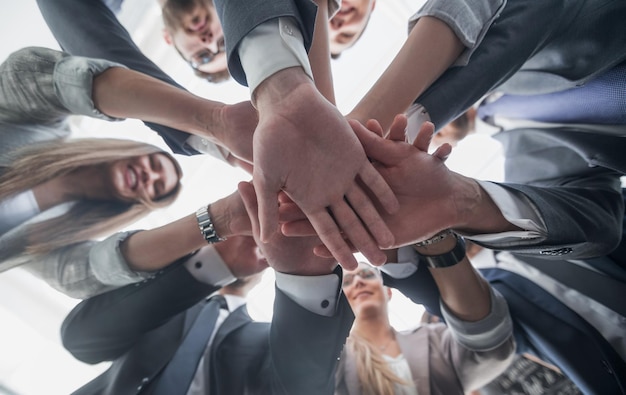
<point>234,321</point>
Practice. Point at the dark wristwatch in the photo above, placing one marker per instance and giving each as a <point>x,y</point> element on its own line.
<point>206,226</point>
<point>446,259</point>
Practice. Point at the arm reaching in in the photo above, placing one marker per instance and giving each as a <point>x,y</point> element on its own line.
<point>431,197</point>
<point>304,146</point>
<point>124,93</point>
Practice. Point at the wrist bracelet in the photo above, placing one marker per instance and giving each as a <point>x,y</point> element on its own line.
<point>435,239</point>
<point>207,229</point>
<point>446,259</point>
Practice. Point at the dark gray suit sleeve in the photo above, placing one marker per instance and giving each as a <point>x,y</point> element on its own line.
<point>104,327</point>
<point>239,17</point>
<point>89,28</point>
<point>523,28</point>
<point>564,173</point>
<point>305,346</point>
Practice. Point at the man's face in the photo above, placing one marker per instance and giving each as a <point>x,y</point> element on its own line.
<point>346,26</point>
<point>200,40</point>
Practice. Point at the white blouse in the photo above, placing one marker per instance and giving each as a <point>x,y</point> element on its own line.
<point>400,367</point>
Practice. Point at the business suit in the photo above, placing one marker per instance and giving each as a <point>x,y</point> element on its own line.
<point>438,364</point>
<point>39,89</point>
<point>295,354</point>
<point>533,47</point>
<point>571,176</point>
<point>545,327</point>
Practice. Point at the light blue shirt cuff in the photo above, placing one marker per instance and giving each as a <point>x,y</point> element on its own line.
<point>272,46</point>
<point>406,266</point>
<point>518,210</point>
<point>318,294</point>
<point>73,84</point>
<point>486,334</point>
<point>207,266</point>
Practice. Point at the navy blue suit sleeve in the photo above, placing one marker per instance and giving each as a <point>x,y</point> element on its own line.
<point>104,327</point>
<point>305,347</point>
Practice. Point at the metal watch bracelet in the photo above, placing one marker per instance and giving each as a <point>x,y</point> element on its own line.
<point>207,229</point>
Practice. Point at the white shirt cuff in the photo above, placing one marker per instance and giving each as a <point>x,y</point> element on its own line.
<point>270,47</point>
<point>207,266</point>
<point>416,116</point>
<point>318,294</point>
<point>406,265</point>
<point>518,210</point>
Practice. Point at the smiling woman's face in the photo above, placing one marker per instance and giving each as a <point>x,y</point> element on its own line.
<point>151,176</point>
<point>364,289</point>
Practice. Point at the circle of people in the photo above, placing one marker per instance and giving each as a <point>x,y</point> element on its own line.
<point>533,265</point>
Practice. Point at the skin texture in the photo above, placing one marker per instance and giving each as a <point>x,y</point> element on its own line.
<point>298,128</point>
<point>431,197</point>
<point>293,255</point>
<point>124,93</point>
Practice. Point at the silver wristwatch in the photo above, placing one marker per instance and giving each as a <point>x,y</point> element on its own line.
<point>206,226</point>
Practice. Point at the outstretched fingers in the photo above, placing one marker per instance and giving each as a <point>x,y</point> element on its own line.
<point>328,232</point>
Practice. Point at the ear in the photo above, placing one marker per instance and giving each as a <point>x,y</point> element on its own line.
<point>167,36</point>
<point>373,5</point>
<point>389,293</point>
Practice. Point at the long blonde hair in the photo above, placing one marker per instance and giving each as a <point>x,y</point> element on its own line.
<point>87,219</point>
<point>375,375</point>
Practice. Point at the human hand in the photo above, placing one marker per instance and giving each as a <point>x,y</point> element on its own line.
<point>241,255</point>
<point>293,255</point>
<point>304,146</point>
<point>236,124</point>
<point>229,216</point>
<point>428,192</point>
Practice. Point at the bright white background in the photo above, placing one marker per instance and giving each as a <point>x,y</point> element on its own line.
<point>32,360</point>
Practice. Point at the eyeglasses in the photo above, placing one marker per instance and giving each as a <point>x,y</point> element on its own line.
<point>206,56</point>
<point>364,273</point>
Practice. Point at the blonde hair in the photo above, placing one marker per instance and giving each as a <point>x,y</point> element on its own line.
<point>87,219</point>
<point>375,375</point>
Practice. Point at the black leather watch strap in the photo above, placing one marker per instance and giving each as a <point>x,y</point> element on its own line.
<point>447,259</point>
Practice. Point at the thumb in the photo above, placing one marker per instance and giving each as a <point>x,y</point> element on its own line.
<point>267,202</point>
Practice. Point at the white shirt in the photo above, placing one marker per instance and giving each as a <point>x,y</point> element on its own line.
<point>198,385</point>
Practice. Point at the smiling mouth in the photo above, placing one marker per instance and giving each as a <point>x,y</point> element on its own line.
<point>360,294</point>
<point>131,178</point>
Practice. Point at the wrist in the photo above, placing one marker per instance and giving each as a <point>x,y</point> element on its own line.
<point>445,249</point>
<point>279,86</point>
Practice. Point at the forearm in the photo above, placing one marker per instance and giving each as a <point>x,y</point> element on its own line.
<point>477,213</point>
<point>319,54</point>
<point>428,51</point>
<point>124,93</point>
<point>154,249</point>
<point>463,291</point>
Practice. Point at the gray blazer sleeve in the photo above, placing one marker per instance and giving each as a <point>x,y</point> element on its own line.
<point>569,183</point>
<point>44,86</point>
<point>239,17</point>
<point>556,45</point>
